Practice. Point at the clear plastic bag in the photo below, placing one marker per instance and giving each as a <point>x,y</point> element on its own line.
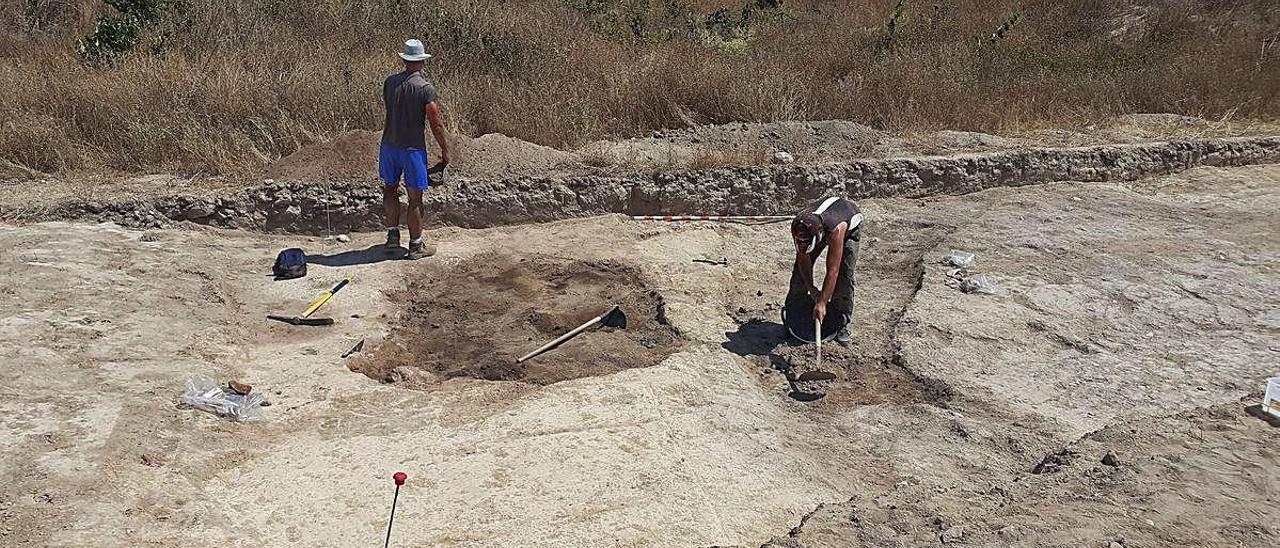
<point>1271,400</point>
<point>203,393</point>
<point>959,259</point>
<point>978,284</point>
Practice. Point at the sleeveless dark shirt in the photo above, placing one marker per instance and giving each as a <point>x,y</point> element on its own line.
<point>839,210</point>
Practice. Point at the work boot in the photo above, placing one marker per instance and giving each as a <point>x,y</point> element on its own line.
<point>418,250</point>
<point>393,238</point>
<point>842,337</point>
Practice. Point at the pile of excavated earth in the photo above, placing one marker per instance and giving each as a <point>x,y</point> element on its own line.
<point>1102,390</point>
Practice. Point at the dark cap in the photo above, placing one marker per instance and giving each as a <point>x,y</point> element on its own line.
<point>808,224</point>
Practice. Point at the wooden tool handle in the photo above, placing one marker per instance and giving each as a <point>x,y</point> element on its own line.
<point>562,338</point>
<point>817,337</point>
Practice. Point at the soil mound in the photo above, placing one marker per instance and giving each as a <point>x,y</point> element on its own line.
<point>353,155</point>
<point>350,155</point>
<point>496,155</point>
<point>736,144</point>
<point>474,319</point>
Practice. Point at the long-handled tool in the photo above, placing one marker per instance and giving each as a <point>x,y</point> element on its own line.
<point>613,318</point>
<point>817,339</point>
<point>399,478</point>
<point>817,374</point>
<point>305,318</point>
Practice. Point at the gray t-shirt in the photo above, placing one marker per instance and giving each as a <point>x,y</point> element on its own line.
<point>406,96</point>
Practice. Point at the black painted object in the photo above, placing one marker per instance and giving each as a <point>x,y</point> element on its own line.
<point>798,319</point>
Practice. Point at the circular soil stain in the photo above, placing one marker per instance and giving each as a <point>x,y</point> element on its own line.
<point>474,319</point>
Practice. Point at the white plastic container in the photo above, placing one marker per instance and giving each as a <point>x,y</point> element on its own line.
<point>1271,402</point>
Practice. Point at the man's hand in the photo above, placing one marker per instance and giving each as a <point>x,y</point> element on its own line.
<point>436,122</point>
<point>820,310</point>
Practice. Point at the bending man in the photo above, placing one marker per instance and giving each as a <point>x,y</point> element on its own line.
<point>832,224</point>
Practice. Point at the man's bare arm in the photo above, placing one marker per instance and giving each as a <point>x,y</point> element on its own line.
<point>437,130</point>
<point>806,270</point>
<point>835,253</point>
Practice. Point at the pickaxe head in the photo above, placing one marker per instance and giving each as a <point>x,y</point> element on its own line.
<point>298,320</point>
<point>615,317</point>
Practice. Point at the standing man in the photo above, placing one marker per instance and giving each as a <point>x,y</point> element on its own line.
<point>411,102</point>
<point>833,224</point>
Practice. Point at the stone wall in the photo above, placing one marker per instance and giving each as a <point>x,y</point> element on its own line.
<point>304,206</point>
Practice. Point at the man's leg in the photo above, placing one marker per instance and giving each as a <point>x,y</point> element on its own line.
<point>389,170</point>
<point>842,297</point>
<point>391,203</point>
<point>415,183</point>
<point>414,219</point>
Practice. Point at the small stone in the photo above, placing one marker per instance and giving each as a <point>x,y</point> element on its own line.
<point>1110,459</point>
<point>343,238</point>
<point>1010,533</point>
<point>402,374</point>
<point>759,293</point>
<point>240,388</point>
<point>782,157</point>
<point>952,534</point>
<point>1115,545</point>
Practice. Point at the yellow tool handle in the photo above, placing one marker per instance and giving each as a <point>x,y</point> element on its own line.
<point>316,304</point>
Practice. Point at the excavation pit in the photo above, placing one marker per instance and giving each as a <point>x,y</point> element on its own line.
<point>476,318</point>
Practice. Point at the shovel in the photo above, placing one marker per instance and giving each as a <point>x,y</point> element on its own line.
<point>613,318</point>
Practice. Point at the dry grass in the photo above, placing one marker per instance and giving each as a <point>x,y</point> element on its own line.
<point>244,81</point>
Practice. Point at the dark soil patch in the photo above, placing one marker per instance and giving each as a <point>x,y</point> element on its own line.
<point>474,319</point>
<point>848,376</point>
<point>849,379</point>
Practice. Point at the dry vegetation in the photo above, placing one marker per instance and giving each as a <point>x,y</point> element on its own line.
<point>217,85</point>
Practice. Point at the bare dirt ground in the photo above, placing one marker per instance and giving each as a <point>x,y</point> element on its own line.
<point>1134,320</point>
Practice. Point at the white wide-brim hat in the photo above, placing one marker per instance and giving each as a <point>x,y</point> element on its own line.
<point>413,51</point>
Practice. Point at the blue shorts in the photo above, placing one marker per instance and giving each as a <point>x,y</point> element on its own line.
<point>410,162</point>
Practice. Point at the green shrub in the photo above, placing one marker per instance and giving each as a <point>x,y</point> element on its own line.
<point>116,35</point>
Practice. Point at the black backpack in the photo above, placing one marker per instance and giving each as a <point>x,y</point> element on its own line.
<point>290,263</point>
